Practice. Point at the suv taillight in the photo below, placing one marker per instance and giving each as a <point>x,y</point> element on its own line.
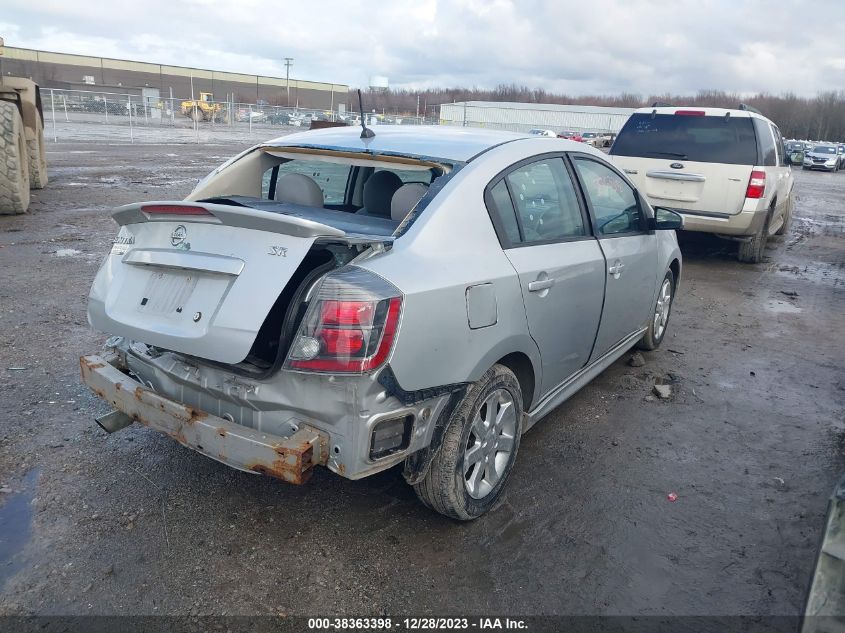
<point>756,185</point>
<point>350,324</point>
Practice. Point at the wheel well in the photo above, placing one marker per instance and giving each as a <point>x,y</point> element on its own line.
<point>675,267</point>
<point>521,366</point>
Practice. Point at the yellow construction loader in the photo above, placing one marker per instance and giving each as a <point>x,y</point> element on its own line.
<point>23,163</point>
<point>205,109</point>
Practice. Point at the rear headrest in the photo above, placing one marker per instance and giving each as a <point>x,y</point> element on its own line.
<point>299,189</point>
<point>405,199</point>
<point>378,191</point>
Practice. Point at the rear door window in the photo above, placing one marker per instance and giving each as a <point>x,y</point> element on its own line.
<point>536,203</point>
<point>546,202</point>
<point>705,139</point>
<point>768,149</point>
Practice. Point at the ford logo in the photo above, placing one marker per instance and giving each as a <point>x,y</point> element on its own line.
<point>677,165</point>
<point>178,236</point>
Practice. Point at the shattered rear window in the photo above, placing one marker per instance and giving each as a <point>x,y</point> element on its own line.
<point>330,177</point>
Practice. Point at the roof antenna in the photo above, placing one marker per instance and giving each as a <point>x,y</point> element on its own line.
<point>365,131</point>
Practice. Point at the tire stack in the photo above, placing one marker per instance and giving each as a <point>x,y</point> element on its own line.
<point>22,162</point>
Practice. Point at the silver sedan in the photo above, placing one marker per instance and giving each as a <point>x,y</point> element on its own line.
<point>421,296</point>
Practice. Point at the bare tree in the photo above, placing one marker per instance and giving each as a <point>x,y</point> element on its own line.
<point>819,118</point>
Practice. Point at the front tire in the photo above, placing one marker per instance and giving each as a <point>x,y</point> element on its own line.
<point>660,318</point>
<point>479,448</point>
<point>14,166</point>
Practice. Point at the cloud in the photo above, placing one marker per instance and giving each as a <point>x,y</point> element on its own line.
<point>597,47</point>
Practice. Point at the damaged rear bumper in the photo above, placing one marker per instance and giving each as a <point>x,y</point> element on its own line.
<point>290,459</point>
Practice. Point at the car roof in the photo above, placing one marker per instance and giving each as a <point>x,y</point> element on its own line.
<point>437,142</point>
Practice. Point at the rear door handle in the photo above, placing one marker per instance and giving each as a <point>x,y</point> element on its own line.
<point>540,285</point>
<point>616,269</point>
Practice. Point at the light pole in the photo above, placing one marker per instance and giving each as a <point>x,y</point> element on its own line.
<point>288,64</point>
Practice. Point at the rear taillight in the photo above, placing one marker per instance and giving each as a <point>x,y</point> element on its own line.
<point>174,209</point>
<point>350,324</point>
<point>690,112</point>
<point>756,185</point>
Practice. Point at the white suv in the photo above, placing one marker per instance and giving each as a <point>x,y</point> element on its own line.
<point>723,170</point>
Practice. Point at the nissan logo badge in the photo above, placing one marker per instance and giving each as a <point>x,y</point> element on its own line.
<point>178,236</point>
<point>677,165</point>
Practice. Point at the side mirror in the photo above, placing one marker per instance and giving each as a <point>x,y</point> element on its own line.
<point>666,220</point>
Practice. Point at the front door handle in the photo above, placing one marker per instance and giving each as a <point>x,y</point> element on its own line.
<point>540,285</point>
<point>616,269</point>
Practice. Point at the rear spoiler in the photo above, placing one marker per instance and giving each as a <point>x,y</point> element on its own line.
<point>292,223</point>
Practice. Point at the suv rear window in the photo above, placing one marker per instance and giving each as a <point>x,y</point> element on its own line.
<point>704,139</point>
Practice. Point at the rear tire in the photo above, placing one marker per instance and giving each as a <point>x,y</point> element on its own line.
<point>751,252</point>
<point>787,216</point>
<point>479,448</point>
<point>659,322</point>
<point>14,162</point>
<point>37,158</point>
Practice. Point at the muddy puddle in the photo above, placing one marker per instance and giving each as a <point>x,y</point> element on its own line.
<point>16,525</point>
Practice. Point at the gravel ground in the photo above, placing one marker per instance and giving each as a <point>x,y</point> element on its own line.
<point>752,441</point>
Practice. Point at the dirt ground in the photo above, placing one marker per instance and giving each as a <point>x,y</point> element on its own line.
<point>751,441</point>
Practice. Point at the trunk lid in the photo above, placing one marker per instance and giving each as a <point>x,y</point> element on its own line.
<point>200,277</point>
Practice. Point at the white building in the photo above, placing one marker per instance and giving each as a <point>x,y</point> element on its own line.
<point>521,117</point>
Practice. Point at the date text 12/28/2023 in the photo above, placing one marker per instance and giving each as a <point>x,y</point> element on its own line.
<point>416,624</point>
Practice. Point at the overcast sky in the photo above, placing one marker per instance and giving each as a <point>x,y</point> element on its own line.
<point>583,47</point>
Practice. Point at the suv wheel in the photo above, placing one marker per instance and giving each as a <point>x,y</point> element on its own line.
<point>478,450</point>
<point>787,216</point>
<point>660,318</point>
<point>751,252</point>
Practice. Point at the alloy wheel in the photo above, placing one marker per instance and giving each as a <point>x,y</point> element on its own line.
<point>661,310</point>
<point>490,443</point>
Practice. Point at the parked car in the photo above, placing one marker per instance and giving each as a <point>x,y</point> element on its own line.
<point>570,135</point>
<point>278,118</point>
<point>298,119</point>
<point>840,149</point>
<point>723,170</point>
<point>607,139</point>
<point>245,115</point>
<point>824,157</point>
<point>592,138</point>
<point>422,297</point>
<point>101,105</point>
<point>794,152</point>
<point>539,132</point>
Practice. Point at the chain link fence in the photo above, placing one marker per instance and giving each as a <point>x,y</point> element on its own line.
<point>91,114</point>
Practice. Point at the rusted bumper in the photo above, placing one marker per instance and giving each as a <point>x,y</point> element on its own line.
<point>290,459</point>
